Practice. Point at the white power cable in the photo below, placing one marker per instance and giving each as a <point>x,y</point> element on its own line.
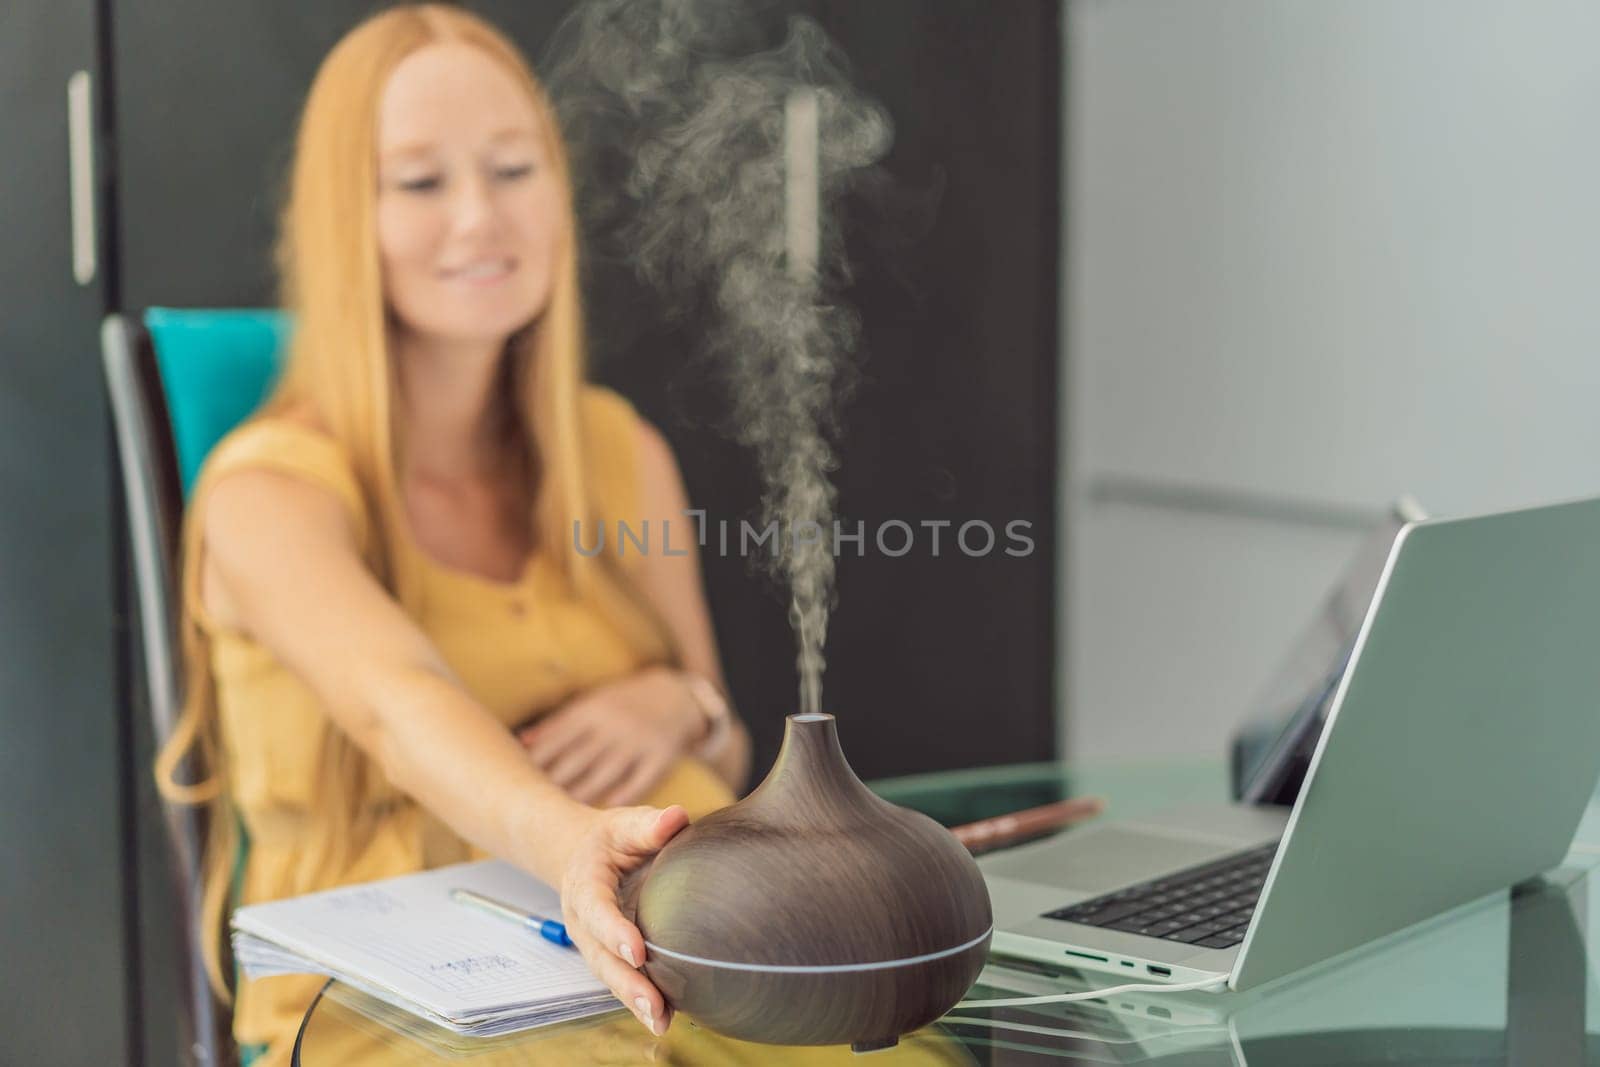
<point>1096,994</point>
<point>1083,1035</point>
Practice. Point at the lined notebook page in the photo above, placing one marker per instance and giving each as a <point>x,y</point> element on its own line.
<point>406,936</point>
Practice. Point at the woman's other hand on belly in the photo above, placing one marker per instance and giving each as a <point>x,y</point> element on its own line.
<point>613,744</point>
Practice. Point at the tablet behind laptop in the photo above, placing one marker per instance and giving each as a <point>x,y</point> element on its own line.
<point>1293,707</point>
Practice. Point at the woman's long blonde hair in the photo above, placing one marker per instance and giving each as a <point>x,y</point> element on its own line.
<point>340,368</point>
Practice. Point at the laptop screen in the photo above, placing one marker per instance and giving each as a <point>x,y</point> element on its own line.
<point>1289,715</point>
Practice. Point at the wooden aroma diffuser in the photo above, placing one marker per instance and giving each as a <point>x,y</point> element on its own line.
<point>812,912</point>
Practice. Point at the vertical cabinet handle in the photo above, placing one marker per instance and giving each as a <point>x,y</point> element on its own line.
<point>80,151</point>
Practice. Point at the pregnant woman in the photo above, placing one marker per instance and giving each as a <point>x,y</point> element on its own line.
<point>396,655</point>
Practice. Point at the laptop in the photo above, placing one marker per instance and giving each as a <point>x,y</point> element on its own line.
<point>1461,746</point>
<point>1349,1005</point>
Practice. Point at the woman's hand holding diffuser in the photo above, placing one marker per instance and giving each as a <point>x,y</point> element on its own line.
<point>614,842</point>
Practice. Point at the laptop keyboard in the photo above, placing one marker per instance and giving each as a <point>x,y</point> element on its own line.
<point>1208,906</point>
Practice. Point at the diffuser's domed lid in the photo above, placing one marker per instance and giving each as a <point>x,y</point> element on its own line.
<point>813,869</point>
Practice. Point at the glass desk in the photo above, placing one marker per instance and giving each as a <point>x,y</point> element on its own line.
<point>1503,981</point>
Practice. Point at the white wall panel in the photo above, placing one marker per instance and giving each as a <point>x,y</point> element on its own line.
<point>1316,252</point>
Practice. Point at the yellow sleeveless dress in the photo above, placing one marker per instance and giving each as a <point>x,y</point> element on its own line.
<point>520,647</point>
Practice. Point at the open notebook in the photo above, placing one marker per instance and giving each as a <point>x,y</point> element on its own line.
<point>404,941</point>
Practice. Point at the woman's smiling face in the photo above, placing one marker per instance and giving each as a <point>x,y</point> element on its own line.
<point>469,214</point>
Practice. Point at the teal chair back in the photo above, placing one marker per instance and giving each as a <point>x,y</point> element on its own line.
<point>216,368</point>
<point>178,381</point>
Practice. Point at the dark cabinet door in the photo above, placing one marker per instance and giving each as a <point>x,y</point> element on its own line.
<point>934,662</point>
<point>64,914</point>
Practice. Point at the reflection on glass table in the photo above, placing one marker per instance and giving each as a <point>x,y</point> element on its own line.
<point>1505,981</point>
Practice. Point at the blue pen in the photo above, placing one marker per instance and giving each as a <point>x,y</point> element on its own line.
<point>548,929</point>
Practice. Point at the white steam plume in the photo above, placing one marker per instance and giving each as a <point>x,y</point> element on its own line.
<point>715,168</point>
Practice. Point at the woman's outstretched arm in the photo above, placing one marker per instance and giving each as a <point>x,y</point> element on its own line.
<point>281,564</point>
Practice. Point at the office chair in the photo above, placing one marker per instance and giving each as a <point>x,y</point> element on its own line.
<point>178,380</point>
